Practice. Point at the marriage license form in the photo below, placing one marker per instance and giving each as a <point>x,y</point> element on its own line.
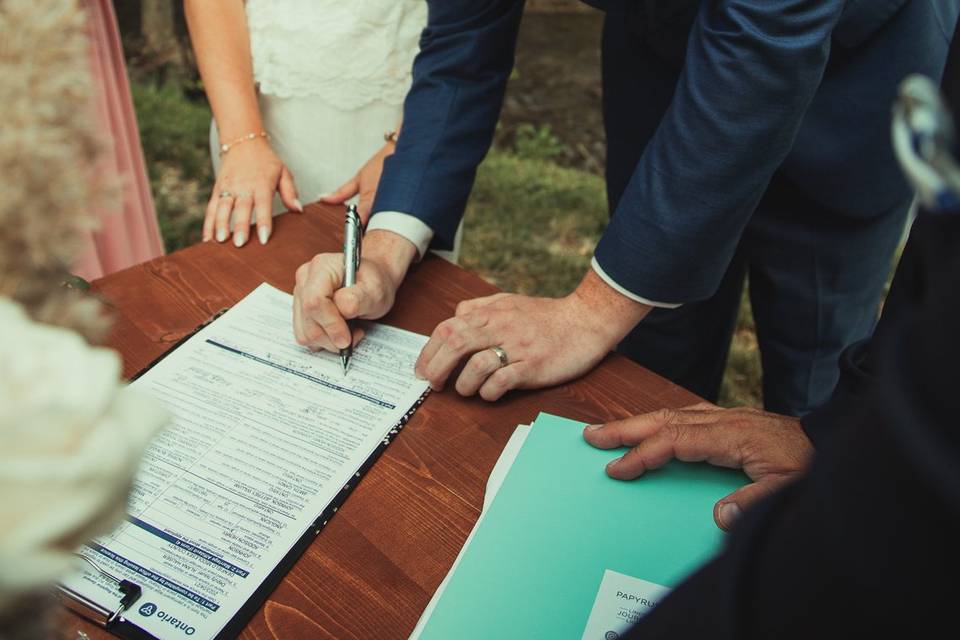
<point>265,436</point>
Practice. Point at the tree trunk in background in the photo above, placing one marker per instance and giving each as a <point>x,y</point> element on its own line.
<point>164,50</point>
<point>128,16</point>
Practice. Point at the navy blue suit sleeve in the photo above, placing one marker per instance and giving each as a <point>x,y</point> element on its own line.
<point>450,114</point>
<point>752,68</point>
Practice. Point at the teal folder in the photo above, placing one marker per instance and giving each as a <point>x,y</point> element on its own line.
<point>558,522</point>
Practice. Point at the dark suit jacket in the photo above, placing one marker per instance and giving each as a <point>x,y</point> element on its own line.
<point>803,84</point>
<point>867,544</point>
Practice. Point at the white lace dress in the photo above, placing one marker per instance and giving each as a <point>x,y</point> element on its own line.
<point>331,78</point>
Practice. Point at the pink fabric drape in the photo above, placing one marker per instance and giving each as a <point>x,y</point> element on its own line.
<point>131,235</point>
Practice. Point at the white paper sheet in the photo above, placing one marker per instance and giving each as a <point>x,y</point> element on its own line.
<point>265,435</point>
<point>497,476</point>
<point>621,601</point>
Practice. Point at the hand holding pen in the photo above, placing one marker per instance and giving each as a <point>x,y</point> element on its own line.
<point>323,303</point>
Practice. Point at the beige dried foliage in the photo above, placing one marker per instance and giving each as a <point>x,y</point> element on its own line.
<point>49,190</point>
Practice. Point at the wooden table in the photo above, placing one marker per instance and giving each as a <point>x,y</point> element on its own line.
<point>373,569</point>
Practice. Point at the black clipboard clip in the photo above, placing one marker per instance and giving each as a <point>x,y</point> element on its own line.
<point>102,616</point>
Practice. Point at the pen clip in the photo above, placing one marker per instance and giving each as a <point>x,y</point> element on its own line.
<point>354,227</point>
<point>356,248</point>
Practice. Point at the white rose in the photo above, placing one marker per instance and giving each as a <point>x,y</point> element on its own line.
<point>71,438</point>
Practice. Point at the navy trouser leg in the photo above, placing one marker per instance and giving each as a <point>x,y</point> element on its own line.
<point>816,278</point>
<point>689,345</point>
<point>638,86</point>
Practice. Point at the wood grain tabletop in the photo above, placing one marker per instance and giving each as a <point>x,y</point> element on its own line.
<point>373,569</point>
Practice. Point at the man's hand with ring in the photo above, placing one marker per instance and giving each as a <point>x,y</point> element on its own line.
<point>772,449</point>
<point>518,342</point>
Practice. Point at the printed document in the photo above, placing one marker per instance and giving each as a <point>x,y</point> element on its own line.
<point>621,601</point>
<point>265,435</point>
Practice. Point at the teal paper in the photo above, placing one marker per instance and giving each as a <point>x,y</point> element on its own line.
<point>535,565</point>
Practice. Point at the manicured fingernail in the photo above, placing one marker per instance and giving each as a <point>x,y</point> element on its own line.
<point>264,234</point>
<point>297,205</point>
<point>239,238</point>
<point>613,463</point>
<point>418,375</point>
<point>323,195</point>
<point>729,512</point>
<point>593,427</point>
<point>221,235</point>
<point>206,237</point>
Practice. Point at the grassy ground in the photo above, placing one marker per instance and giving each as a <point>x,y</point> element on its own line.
<point>174,134</point>
<point>530,225</point>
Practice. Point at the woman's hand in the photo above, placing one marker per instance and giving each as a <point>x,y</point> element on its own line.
<point>250,172</point>
<point>249,175</point>
<point>363,183</point>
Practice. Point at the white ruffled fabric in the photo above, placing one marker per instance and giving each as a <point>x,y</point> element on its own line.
<point>306,48</point>
<point>71,438</point>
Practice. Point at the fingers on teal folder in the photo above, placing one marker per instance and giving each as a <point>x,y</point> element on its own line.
<point>558,523</point>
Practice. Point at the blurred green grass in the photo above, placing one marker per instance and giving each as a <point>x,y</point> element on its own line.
<point>530,225</point>
<point>174,133</point>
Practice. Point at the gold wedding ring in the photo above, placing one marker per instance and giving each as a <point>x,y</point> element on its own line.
<point>501,355</point>
<point>226,194</point>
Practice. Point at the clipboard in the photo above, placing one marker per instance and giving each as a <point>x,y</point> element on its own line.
<point>109,616</point>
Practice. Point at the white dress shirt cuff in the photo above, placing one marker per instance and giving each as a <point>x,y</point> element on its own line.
<point>603,276</point>
<point>405,225</point>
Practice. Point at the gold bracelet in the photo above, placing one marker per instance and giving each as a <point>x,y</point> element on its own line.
<point>391,136</point>
<point>244,138</point>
